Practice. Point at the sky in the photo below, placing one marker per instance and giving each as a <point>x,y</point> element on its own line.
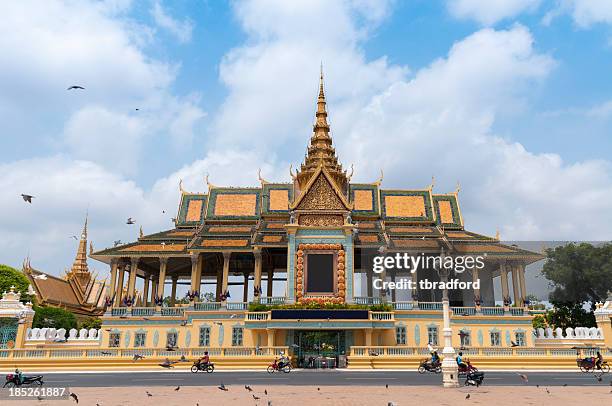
<point>510,98</point>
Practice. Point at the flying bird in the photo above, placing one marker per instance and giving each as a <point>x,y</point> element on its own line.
<point>75,87</point>
<point>75,237</point>
<point>106,352</point>
<point>167,364</point>
<point>27,198</point>
<point>75,397</point>
<point>513,344</point>
<point>222,387</point>
<point>137,357</point>
<point>130,221</point>
<point>116,242</point>
<point>42,277</point>
<point>170,348</point>
<point>524,378</point>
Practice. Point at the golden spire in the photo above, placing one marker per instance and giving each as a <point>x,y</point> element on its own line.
<point>320,152</point>
<point>79,267</point>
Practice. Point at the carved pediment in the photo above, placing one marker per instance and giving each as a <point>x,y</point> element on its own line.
<point>321,196</point>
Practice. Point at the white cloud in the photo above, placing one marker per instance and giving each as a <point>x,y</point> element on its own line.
<point>585,13</point>
<point>489,12</point>
<point>180,29</point>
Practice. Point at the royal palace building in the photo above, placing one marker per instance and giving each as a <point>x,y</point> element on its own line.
<point>303,251</point>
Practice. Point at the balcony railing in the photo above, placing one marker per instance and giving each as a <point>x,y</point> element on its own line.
<point>364,300</point>
<point>272,300</point>
<point>403,305</point>
<point>392,351</point>
<point>172,311</point>
<point>119,311</point>
<point>258,316</point>
<point>237,306</point>
<point>207,306</point>
<point>189,353</point>
<point>430,305</point>
<point>143,311</point>
<point>381,316</point>
<point>463,311</point>
<point>492,311</point>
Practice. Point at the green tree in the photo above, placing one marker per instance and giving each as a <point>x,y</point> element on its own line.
<point>91,322</point>
<point>11,277</point>
<point>579,273</point>
<point>539,321</point>
<point>46,316</point>
<point>570,315</point>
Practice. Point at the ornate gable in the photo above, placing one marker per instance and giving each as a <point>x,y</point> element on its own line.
<point>321,196</point>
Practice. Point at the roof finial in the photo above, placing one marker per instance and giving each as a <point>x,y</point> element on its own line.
<point>84,233</point>
<point>497,235</point>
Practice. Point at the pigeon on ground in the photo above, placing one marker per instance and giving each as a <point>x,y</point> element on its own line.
<point>247,387</point>
<point>137,357</point>
<point>386,386</point>
<point>468,396</point>
<point>266,391</point>
<point>75,397</point>
<point>255,397</point>
<point>149,394</point>
<point>27,198</point>
<point>222,387</point>
<point>75,87</point>
<point>177,388</point>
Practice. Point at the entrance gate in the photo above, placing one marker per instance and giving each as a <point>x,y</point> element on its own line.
<point>8,332</point>
<point>319,348</point>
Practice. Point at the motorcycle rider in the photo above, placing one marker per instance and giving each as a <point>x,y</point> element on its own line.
<point>284,360</point>
<point>19,375</point>
<point>460,363</point>
<point>435,358</point>
<point>598,360</point>
<point>205,360</point>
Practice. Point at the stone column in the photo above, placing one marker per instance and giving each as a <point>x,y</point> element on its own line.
<point>219,285</point>
<point>450,377</point>
<point>367,337</point>
<point>257,271</point>
<point>503,271</point>
<point>200,271</point>
<point>119,290</point>
<point>173,292</point>
<point>194,273</point>
<point>515,286</point>
<point>226,266</point>
<point>521,272</point>
<point>369,291</point>
<point>270,290</point>
<point>393,291</point>
<point>161,281</point>
<point>145,290</point>
<point>110,290</point>
<point>476,277</point>
<point>132,280</point>
<point>271,333</point>
<point>245,292</point>
<point>153,292</point>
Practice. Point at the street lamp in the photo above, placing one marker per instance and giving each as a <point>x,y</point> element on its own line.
<point>450,372</point>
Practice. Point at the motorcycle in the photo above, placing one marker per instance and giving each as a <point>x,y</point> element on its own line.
<point>427,366</point>
<point>201,366</point>
<point>474,378</point>
<point>279,366</point>
<point>467,368</point>
<point>12,380</point>
<point>589,365</point>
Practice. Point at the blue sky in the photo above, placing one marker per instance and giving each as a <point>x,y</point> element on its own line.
<point>509,97</point>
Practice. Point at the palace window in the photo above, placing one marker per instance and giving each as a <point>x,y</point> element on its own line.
<point>140,339</point>
<point>520,338</point>
<point>237,336</point>
<point>204,337</point>
<point>432,335</point>
<point>171,339</point>
<point>400,335</point>
<point>466,338</point>
<point>320,273</point>
<point>113,339</point>
<point>495,338</point>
